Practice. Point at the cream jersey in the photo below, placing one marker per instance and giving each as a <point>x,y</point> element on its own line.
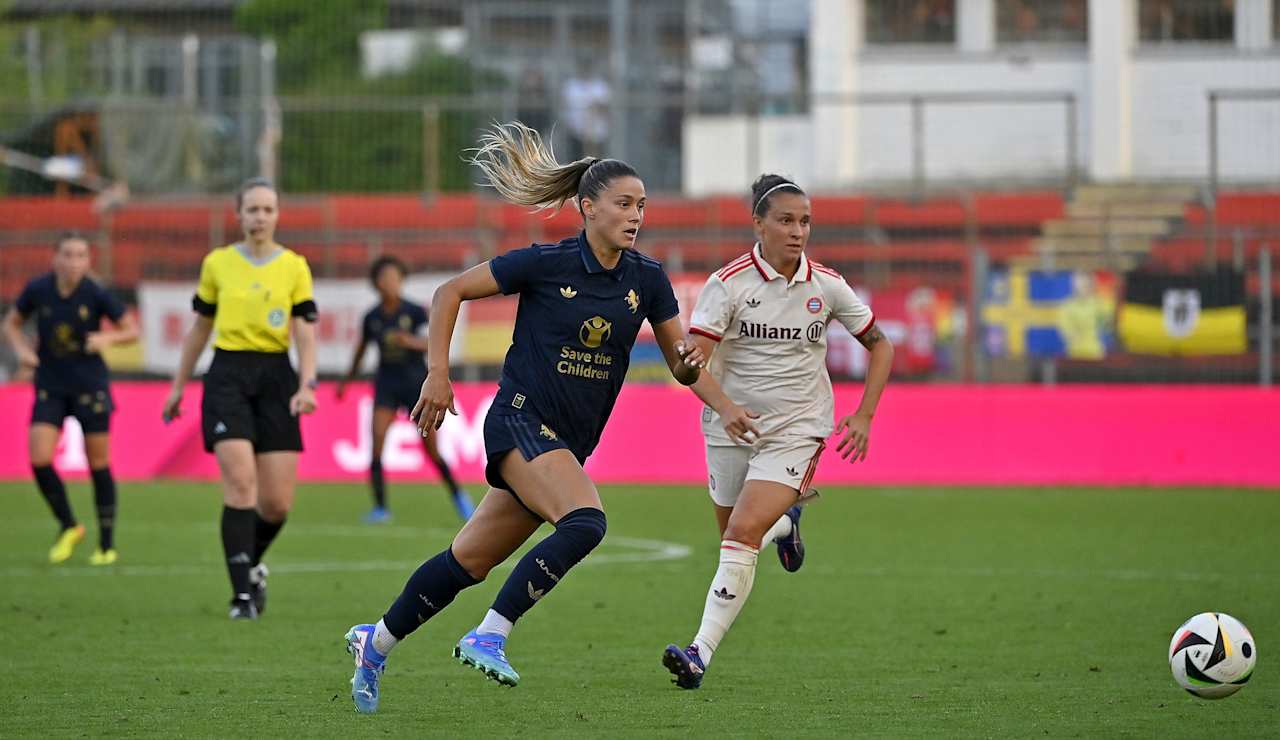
<point>772,337</point>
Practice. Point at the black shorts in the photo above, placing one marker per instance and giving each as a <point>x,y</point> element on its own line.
<point>397,391</point>
<point>246,396</point>
<point>92,408</point>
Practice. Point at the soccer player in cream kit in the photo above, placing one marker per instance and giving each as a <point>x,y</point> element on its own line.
<point>762,322</point>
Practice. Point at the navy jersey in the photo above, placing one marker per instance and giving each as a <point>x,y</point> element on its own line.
<point>62,325</point>
<point>379,327</point>
<point>575,326</point>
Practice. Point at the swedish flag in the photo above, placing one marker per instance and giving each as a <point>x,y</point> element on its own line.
<point>1047,313</point>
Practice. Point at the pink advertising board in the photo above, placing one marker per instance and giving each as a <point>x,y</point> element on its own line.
<point>972,435</point>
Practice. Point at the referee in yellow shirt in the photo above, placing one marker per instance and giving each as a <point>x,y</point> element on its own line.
<point>255,294</point>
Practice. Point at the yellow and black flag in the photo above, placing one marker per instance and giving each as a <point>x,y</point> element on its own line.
<point>1196,314</point>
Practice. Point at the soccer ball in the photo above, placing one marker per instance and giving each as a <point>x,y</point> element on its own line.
<point>1212,655</point>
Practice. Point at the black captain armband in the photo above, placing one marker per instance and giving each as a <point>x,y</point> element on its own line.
<point>203,307</point>
<point>306,311</point>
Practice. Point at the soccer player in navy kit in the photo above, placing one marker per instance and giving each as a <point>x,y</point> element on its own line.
<point>395,325</point>
<point>71,380</point>
<point>581,305</point>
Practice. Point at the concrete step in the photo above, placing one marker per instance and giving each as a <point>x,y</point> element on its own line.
<point>1099,209</point>
<point>1101,227</point>
<point>1091,245</point>
<point>1114,263</point>
<point>1136,192</point>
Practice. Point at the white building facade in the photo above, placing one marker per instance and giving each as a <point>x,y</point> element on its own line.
<point>1010,91</point>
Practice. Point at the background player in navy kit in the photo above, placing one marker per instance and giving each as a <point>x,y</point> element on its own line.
<point>395,325</point>
<point>581,305</point>
<point>71,380</point>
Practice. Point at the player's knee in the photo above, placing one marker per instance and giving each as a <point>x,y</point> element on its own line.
<point>240,492</point>
<point>586,527</point>
<point>473,563</point>
<point>743,529</point>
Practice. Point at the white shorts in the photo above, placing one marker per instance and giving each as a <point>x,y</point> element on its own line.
<point>790,461</point>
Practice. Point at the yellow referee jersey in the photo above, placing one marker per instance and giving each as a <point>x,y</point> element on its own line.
<point>251,301</point>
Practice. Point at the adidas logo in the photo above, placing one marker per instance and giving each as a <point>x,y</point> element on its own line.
<point>219,428</point>
<point>568,291</point>
<point>427,601</point>
<point>535,595</point>
<point>723,593</point>
<point>793,472</point>
<point>753,303</point>
<point>240,557</point>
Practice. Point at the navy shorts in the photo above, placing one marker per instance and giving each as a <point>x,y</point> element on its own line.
<point>508,429</point>
<point>396,392</point>
<point>91,408</point>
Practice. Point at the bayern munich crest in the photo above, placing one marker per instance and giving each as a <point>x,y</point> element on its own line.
<point>814,305</point>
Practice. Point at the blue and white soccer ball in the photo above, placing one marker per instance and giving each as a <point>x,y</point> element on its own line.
<point>1212,655</point>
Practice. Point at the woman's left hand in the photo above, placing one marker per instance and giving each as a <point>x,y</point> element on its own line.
<point>303,402</point>
<point>857,434</point>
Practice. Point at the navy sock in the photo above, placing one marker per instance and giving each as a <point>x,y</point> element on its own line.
<point>429,590</point>
<point>264,533</point>
<point>104,500</point>
<point>55,494</point>
<point>577,533</point>
<point>446,475</point>
<point>237,544</point>
<point>379,486</point>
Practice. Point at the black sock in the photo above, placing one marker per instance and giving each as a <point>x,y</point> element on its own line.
<point>447,475</point>
<point>264,533</point>
<point>577,534</point>
<point>429,590</point>
<point>55,494</point>
<point>379,487</point>
<point>237,544</point>
<point>104,499</point>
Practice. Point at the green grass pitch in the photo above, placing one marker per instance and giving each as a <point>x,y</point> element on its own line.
<point>920,612</point>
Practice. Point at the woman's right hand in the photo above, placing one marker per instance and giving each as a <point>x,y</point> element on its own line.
<point>172,405</point>
<point>739,424</point>
<point>436,398</point>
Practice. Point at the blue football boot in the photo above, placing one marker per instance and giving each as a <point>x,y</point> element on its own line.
<point>486,654</point>
<point>369,666</point>
<point>686,665</point>
<point>462,502</point>
<point>791,547</point>
<point>378,515</point>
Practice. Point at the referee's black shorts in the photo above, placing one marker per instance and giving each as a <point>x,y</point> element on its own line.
<point>246,396</point>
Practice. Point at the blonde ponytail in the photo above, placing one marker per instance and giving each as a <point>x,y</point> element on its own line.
<point>522,168</point>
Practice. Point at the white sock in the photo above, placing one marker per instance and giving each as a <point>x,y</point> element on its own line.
<point>780,529</point>
<point>729,591</point>
<point>383,640</point>
<point>495,624</point>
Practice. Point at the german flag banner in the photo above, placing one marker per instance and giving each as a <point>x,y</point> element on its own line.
<point>1198,314</point>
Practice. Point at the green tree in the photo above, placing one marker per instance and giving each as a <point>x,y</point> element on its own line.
<point>317,43</point>
<point>348,148</point>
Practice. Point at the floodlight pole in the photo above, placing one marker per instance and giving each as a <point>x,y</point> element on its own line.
<point>1265,338</point>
